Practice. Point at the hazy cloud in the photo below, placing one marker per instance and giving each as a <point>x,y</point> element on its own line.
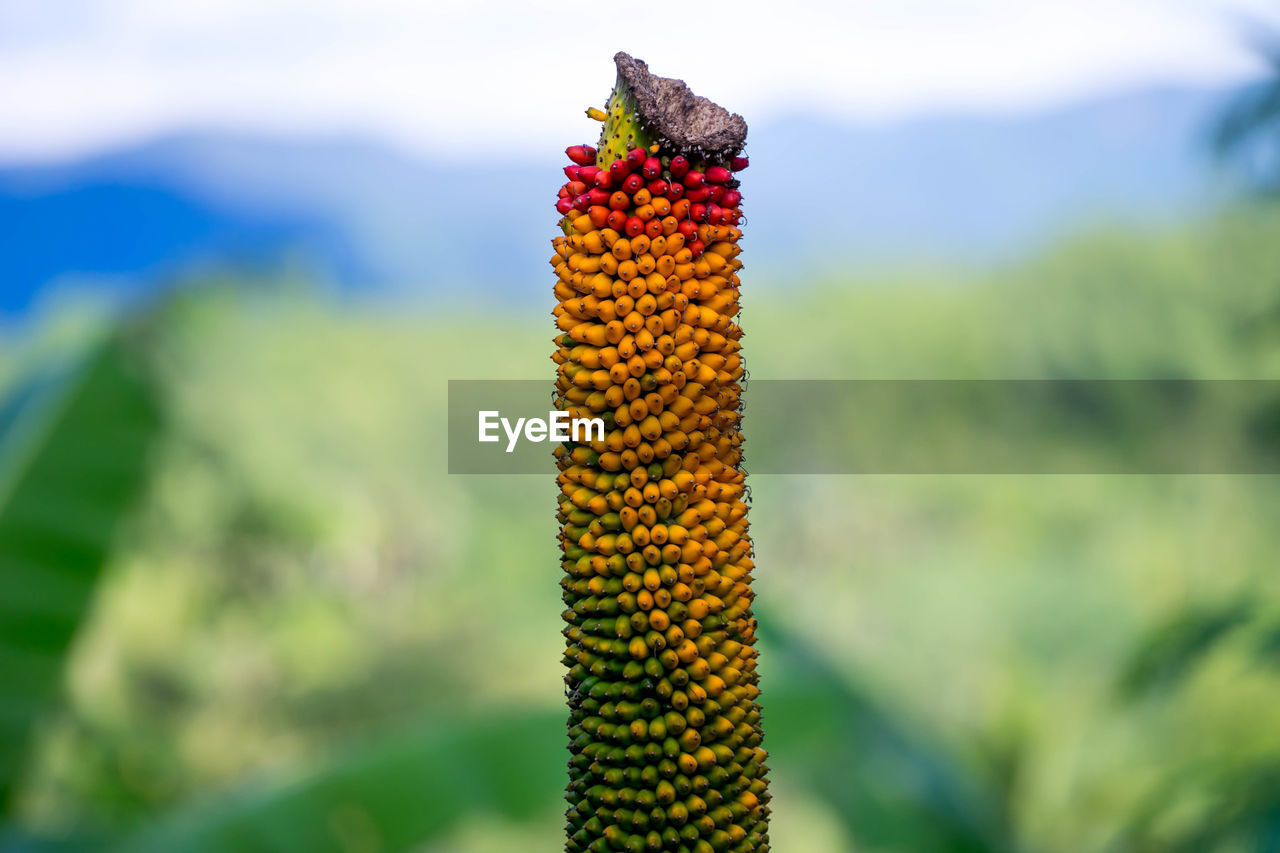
<point>461,76</point>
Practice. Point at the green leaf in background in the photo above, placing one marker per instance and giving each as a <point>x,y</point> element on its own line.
<point>1248,820</point>
<point>394,794</point>
<point>73,458</point>
<point>1251,820</point>
<point>890,787</point>
<point>1170,651</point>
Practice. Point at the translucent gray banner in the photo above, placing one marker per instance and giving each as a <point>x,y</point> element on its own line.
<point>933,427</point>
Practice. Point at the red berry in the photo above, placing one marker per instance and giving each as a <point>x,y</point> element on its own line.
<point>715,213</point>
<point>564,205</point>
<point>634,226</point>
<point>583,155</point>
<point>581,203</point>
<point>697,247</point>
<point>732,198</point>
<point>698,212</point>
<point>604,179</point>
<point>619,201</point>
<point>632,184</point>
<point>617,220</point>
<point>675,191</point>
<point>687,228</point>
<point>699,194</point>
<point>679,165</point>
<point>587,174</point>
<point>598,196</point>
<point>658,187</point>
<point>652,168</point>
<point>636,158</point>
<point>618,168</point>
<point>737,164</point>
<point>564,192</point>
<point>573,173</point>
<point>718,175</point>
<point>717,193</point>
<point>694,179</point>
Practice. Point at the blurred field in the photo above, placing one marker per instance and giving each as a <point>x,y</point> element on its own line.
<point>1074,663</point>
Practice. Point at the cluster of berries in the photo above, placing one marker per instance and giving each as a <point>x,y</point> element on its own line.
<point>665,729</point>
<point>634,194</point>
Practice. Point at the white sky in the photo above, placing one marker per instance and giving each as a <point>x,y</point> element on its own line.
<point>79,75</point>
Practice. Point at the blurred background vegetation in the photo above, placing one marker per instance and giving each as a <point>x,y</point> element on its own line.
<point>246,609</point>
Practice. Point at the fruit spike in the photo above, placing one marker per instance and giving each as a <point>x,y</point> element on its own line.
<point>664,728</point>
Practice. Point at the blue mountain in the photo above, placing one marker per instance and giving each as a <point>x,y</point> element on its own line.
<point>959,188</point>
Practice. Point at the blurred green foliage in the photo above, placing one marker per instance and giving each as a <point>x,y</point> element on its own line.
<point>1247,134</point>
<point>311,637</point>
<point>74,461</point>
